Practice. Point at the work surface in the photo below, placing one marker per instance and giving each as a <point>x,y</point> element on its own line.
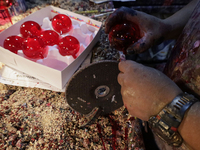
<point>33,118</point>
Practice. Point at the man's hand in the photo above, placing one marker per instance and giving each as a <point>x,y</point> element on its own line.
<point>145,91</point>
<point>152,29</point>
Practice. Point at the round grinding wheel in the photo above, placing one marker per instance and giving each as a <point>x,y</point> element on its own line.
<point>95,86</point>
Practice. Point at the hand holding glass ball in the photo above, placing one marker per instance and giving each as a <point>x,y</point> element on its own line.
<point>123,35</point>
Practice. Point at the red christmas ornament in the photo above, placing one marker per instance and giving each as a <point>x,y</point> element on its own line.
<point>61,23</point>
<point>50,37</point>
<point>123,35</point>
<point>13,43</point>
<point>35,48</point>
<point>69,45</point>
<point>30,29</point>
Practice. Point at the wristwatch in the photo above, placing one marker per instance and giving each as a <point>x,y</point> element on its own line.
<point>165,124</point>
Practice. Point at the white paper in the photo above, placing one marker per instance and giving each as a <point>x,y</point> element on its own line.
<point>13,77</point>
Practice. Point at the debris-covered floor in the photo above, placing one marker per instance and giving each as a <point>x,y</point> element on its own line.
<point>33,118</point>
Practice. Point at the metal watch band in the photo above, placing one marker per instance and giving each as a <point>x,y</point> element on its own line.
<point>166,123</point>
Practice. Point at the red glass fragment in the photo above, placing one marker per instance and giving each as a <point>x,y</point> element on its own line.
<point>123,35</point>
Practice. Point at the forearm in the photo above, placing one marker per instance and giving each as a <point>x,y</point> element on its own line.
<point>178,20</point>
<point>190,127</point>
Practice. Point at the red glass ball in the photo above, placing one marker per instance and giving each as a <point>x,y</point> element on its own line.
<point>123,35</point>
<point>50,37</point>
<point>30,29</point>
<point>69,45</point>
<point>61,23</point>
<point>13,43</point>
<point>35,48</point>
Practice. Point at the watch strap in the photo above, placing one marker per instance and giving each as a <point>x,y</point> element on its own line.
<point>166,123</point>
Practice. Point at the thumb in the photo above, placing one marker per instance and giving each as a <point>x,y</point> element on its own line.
<point>140,46</point>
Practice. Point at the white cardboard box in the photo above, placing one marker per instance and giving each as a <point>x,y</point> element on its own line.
<point>55,77</point>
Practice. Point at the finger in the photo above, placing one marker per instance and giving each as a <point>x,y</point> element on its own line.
<point>113,19</point>
<point>118,16</point>
<point>122,66</point>
<point>120,78</point>
<point>126,65</point>
<point>141,45</point>
<point>108,23</point>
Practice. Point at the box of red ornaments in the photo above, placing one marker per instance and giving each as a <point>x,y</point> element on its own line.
<point>49,44</point>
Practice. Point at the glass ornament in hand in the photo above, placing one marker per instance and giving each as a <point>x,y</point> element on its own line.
<point>123,35</point>
<point>13,43</point>
<point>35,48</point>
<point>30,29</point>
<point>69,45</point>
<point>50,37</point>
<point>61,23</point>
